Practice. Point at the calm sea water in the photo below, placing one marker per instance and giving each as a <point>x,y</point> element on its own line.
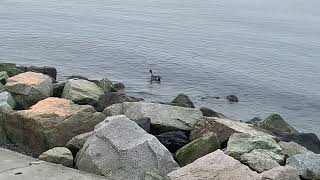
<point>267,52</point>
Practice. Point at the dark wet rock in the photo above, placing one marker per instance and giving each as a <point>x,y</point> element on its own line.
<point>10,68</point>
<point>232,98</point>
<point>77,77</point>
<point>174,140</point>
<point>210,113</point>
<point>196,149</point>
<point>182,100</point>
<point>50,71</point>
<point>58,89</point>
<point>276,124</point>
<point>111,98</point>
<point>307,140</point>
<point>119,86</point>
<point>144,123</point>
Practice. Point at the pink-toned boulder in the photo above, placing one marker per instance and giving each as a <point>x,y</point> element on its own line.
<point>49,123</point>
<point>29,88</point>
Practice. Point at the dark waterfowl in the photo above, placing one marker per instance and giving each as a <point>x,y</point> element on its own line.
<point>154,78</point>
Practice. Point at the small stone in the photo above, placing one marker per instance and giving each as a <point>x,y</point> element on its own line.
<point>58,155</point>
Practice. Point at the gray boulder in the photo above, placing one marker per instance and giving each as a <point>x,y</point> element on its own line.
<point>81,91</point>
<point>291,148</point>
<point>58,155</point>
<point>7,102</point>
<point>241,143</point>
<point>120,149</point>
<point>277,124</point>
<point>307,165</point>
<point>198,148</point>
<point>223,128</point>
<point>29,88</point>
<point>164,118</point>
<point>77,142</point>
<point>50,123</point>
<point>3,77</point>
<point>281,173</point>
<point>183,101</point>
<point>214,166</point>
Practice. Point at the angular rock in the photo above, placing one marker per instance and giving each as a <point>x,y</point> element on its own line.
<point>106,85</point>
<point>81,91</point>
<point>197,148</point>
<point>277,124</point>
<point>58,155</point>
<point>241,143</point>
<point>120,149</point>
<point>164,118</point>
<point>119,86</point>
<point>214,166</point>
<point>292,148</point>
<point>29,88</point>
<point>307,140</point>
<point>58,89</point>
<point>261,160</point>
<point>223,128</point>
<point>111,98</point>
<point>50,123</point>
<point>77,142</point>
<point>182,100</point>
<point>144,123</point>
<point>50,71</point>
<point>7,102</point>
<point>10,68</point>
<point>281,173</point>
<point>3,77</point>
<point>174,140</point>
<point>210,113</point>
<point>307,165</point>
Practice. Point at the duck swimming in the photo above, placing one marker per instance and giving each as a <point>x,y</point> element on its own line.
<point>154,78</point>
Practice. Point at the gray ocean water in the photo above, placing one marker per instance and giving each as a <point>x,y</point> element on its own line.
<point>267,52</point>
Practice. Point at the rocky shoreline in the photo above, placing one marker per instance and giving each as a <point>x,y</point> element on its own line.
<point>93,126</point>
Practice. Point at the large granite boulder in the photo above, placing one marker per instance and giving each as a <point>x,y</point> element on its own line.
<point>307,164</point>
<point>77,142</point>
<point>307,140</point>
<point>242,143</point>
<point>7,102</point>
<point>3,77</point>
<point>120,149</point>
<point>223,128</point>
<point>211,113</point>
<point>277,124</point>
<point>49,123</point>
<point>58,155</point>
<point>292,148</point>
<point>164,118</point>
<point>29,88</point>
<point>262,160</point>
<point>50,71</point>
<point>197,148</point>
<point>111,98</point>
<point>183,101</point>
<point>214,166</point>
<point>174,140</point>
<point>81,91</point>
<point>281,173</point>
<point>10,68</point>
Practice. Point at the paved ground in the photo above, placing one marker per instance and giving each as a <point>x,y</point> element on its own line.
<point>15,166</point>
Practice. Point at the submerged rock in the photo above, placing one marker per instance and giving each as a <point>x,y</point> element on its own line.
<point>182,100</point>
<point>174,140</point>
<point>164,118</point>
<point>29,88</point>
<point>232,98</point>
<point>120,149</point>
<point>81,91</point>
<point>50,123</point>
<point>197,148</point>
<point>214,166</point>
<point>307,165</point>
<point>58,155</point>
